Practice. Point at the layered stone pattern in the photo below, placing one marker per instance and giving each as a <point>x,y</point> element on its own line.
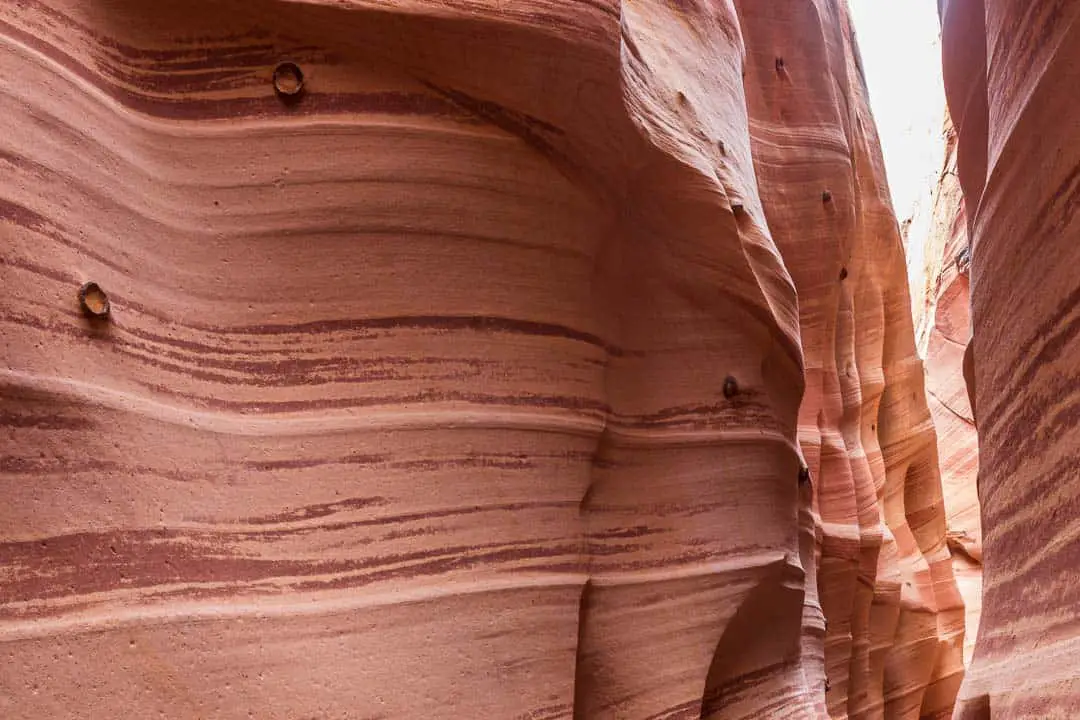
<point>533,360</point>
<point>943,329</point>
<point>1010,74</point>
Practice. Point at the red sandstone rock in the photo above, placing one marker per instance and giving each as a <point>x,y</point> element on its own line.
<point>1011,74</point>
<point>944,334</point>
<point>895,619</point>
<point>412,399</point>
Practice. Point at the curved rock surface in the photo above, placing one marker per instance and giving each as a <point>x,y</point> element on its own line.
<point>943,318</point>
<point>895,620</point>
<point>1011,69</point>
<point>467,383</point>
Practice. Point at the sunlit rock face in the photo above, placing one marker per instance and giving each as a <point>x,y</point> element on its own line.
<point>943,321</point>
<point>1010,73</point>
<point>895,620</point>
<point>494,360</point>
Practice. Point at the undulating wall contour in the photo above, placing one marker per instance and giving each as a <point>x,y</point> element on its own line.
<point>457,369</point>
<point>1011,72</point>
<point>943,331</point>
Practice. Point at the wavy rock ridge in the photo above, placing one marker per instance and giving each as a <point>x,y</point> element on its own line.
<point>1010,76</point>
<point>943,320</point>
<point>469,385</point>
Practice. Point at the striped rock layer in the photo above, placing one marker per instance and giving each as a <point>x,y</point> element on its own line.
<point>1011,73</point>
<point>943,331</point>
<point>470,382</point>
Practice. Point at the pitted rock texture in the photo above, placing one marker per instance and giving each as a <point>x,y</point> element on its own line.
<point>412,399</point>
<point>895,620</point>
<point>1011,70</point>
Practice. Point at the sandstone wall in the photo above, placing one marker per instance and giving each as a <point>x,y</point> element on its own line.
<point>1010,74</point>
<point>943,320</point>
<point>894,618</point>
<point>467,383</point>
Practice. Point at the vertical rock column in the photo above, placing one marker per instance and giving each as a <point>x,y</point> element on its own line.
<point>1011,72</point>
<point>894,617</point>
<point>944,332</point>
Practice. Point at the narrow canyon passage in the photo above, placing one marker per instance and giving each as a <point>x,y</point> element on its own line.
<point>549,359</point>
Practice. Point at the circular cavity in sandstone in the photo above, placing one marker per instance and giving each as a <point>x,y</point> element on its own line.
<point>288,80</point>
<point>93,300</point>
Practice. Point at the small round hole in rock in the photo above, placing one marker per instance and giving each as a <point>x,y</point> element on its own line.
<point>731,387</point>
<point>826,196</point>
<point>288,80</point>
<point>93,300</point>
<point>843,273</point>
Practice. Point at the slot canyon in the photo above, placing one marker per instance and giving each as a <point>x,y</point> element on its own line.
<point>531,359</point>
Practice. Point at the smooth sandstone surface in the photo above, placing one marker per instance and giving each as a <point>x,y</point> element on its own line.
<point>943,330</point>
<point>895,620</point>
<point>414,396</point>
<point>1011,73</point>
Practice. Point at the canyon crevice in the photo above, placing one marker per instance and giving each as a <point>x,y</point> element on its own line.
<point>507,360</point>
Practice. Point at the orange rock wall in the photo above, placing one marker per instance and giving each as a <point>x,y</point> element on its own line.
<point>943,321</point>
<point>894,617</point>
<point>468,385</point>
<point>1011,72</point>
